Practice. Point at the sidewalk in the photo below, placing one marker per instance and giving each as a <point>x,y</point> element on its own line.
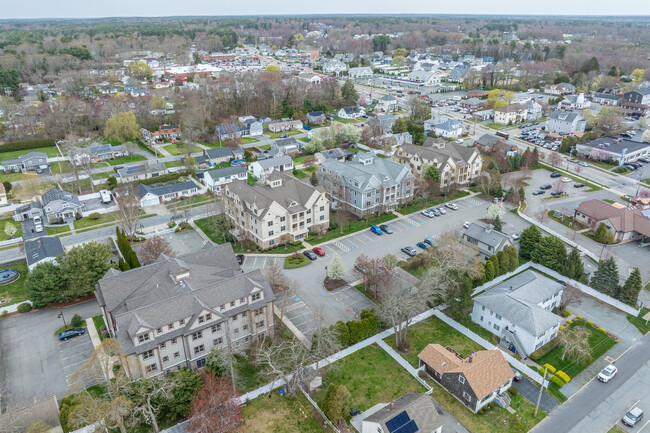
<point>92,332</point>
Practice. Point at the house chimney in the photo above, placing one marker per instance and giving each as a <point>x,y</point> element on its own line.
<point>470,358</point>
<point>392,405</point>
<point>488,229</point>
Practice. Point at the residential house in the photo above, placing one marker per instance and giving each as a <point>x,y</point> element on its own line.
<point>519,311</point>
<point>278,210</point>
<point>457,74</point>
<point>638,96</point>
<point>458,165</point>
<point>574,102</point>
<point>217,178</point>
<point>563,122</point>
<point>632,108</point>
<point>316,118</point>
<point>337,153</point>
<point>310,77</point>
<point>214,156</point>
<point>424,78</point>
<point>451,128</point>
<point>286,146</point>
<point>146,170</point>
<point>367,183</point>
<point>483,115</point>
<point>151,196</point>
<point>409,413</point>
<point>475,381</point>
<point>261,169</point>
<point>605,97</point>
<point>384,122</point>
<point>230,131</point>
<point>351,112</point>
<point>623,222</point>
<point>3,195</point>
<point>387,103</point>
<point>488,240</point>
<point>472,104</point>
<point>171,313</point>
<point>98,153</point>
<point>252,128</point>
<point>436,119</point>
<point>333,67</point>
<point>489,143</point>
<point>41,250</point>
<point>60,206</point>
<point>360,72</point>
<point>510,114</point>
<point>533,110</point>
<point>559,89</point>
<point>28,162</point>
<point>165,133</point>
<point>285,125</point>
<point>28,211</point>
<point>620,150</point>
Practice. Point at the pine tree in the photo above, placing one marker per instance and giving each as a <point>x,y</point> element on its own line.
<point>514,257</point>
<point>605,278</point>
<point>504,262</point>
<point>313,179</point>
<point>495,263</point>
<point>496,222</point>
<point>629,293</point>
<point>489,271</point>
<point>528,241</point>
<point>574,268</point>
<point>600,233</point>
<point>550,252</point>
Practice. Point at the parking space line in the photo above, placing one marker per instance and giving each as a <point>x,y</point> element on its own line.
<point>74,347</point>
<point>76,363</point>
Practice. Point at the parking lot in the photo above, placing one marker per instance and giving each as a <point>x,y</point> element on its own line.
<point>182,242</point>
<point>72,354</point>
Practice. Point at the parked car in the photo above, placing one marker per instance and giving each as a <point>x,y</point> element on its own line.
<point>466,225</point>
<point>583,164</point>
<point>441,210</point>
<point>409,251</point>
<point>538,192</point>
<point>556,193</point>
<point>546,186</point>
<point>310,255</point>
<point>240,259</point>
<point>516,236</point>
<point>430,241</point>
<point>632,417</point>
<point>384,228</point>
<point>70,333</point>
<point>578,185</point>
<point>566,179</point>
<point>319,251</point>
<point>38,224</point>
<point>376,230</point>
<point>607,374</point>
<point>452,206</point>
<point>555,174</point>
<point>428,213</point>
<point>518,375</point>
<point>573,160</point>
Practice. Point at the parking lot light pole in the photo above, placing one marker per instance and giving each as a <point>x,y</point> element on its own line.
<point>65,325</point>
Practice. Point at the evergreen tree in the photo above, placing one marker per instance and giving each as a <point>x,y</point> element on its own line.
<point>605,278</point>
<point>495,262</point>
<point>496,222</point>
<point>574,268</point>
<point>337,399</point>
<point>529,240</point>
<point>550,252</point>
<point>629,293</point>
<point>349,93</point>
<point>313,179</point>
<point>489,271</point>
<point>600,233</point>
<point>44,283</point>
<point>514,257</point>
<point>504,262</point>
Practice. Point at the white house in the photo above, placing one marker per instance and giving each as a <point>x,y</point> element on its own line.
<point>261,169</point>
<point>424,78</point>
<point>333,67</point>
<point>451,128</point>
<point>149,196</point>
<point>360,72</point>
<point>217,178</point>
<point>351,112</point>
<point>519,311</point>
<point>309,77</point>
<point>387,103</point>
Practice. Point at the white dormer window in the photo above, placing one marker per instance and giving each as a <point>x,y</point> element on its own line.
<point>461,378</point>
<point>256,297</point>
<point>142,338</point>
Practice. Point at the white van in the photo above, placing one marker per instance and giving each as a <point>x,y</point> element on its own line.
<point>105,196</point>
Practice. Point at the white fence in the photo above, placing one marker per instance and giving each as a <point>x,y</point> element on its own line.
<point>10,242</point>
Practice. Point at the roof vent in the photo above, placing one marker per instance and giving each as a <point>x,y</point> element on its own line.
<point>443,363</point>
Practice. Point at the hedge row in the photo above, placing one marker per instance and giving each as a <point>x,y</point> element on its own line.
<point>353,331</point>
<point>551,369</point>
<point>164,178</point>
<point>543,350</point>
<point>23,145</point>
<point>562,375</point>
<point>556,380</point>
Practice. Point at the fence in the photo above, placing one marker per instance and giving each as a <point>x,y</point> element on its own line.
<point>10,242</point>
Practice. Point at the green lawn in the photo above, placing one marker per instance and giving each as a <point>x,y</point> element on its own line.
<point>371,376</point>
<point>349,121</point>
<point>15,292</point>
<point>496,419</point>
<point>565,220</point>
<point>434,330</point>
<point>175,163</point>
<point>616,429</point>
<point>10,221</point>
<point>264,147</point>
<point>190,201</point>
<point>58,167</point>
<point>499,127</point>
<point>13,177</point>
<point>351,227</point>
<point>251,180</point>
<point>89,222</point>
<point>305,172</point>
<point>296,262</point>
<point>51,152</point>
<point>598,340</point>
<point>418,204</point>
<point>477,329</point>
<point>51,231</point>
<point>555,197</point>
<point>126,159</point>
<point>176,149</point>
<point>249,140</point>
<point>291,414</point>
<point>275,135</point>
<point>100,325</point>
<point>304,139</point>
<point>639,322</point>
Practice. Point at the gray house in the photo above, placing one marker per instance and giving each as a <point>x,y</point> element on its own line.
<point>60,206</point>
<point>563,122</point>
<point>43,249</point>
<point>150,196</point>
<point>27,162</point>
<point>316,118</point>
<point>638,96</point>
<point>217,178</point>
<point>28,211</point>
<point>488,240</point>
<point>146,170</point>
<point>409,413</point>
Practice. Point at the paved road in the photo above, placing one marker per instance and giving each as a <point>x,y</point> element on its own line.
<point>598,405</point>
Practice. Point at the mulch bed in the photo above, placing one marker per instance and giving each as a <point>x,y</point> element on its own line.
<point>333,284</point>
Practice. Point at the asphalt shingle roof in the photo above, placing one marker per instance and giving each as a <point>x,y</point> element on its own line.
<point>42,248</point>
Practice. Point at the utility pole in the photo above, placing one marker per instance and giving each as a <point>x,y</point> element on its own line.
<point>541,390</point>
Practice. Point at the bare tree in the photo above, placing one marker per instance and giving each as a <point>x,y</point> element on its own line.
<point>559,187</point>
<point>397,308</point>
<point>153,248</point>
<point>285,361</point>
<point>215,407</point>
<point>570,296</point>
<point>575,344</point>
<point>542,215</point>
<point>555,159</point>
<point>146,393</point>
<point>128,212</point>
<point>85,161</point>
<point>74,154</point>
<point>325,340</point>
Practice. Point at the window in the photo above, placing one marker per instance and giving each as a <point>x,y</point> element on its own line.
<point>308,211</point>
<point>150,368</point>
<point>483,307</point>
<point>322,217</point>
<point>308,220</point>
<point>198,349</point>
<point>216,328</point>
<point>486,397</point>
<point>232,304</point>
<point>270,224</point>
<point>497,327</point>
<point>181,322</point>
<point>201,319</point>
<point>282,219</point>
<point>142,338</point>
<point>540,344</point>
<point>481,318</point>
<point>498,316</point>
<point>218,341</point>
<point>260,324</point>
<point>466,396</point>
<point>163,345</point>
<point>322,208</point>
<point>177,354</point>
<point>260,311</point>
<point>256,297</point>
<point>236,331</point>
<point>208,317</point>
<point>270,232</point>
<point>223,307</point>
<point>461,378</point>
<point>245,327</point>
<point>283,228</point>
<point>148,354</point>
<point>170,326</point>
<point>165,358</point>
<point>197,335</point>
<point>200,363</point>
<point>159,330</point>
<point>234,317</point>
<point>242,301</point>
<point>173,340</point>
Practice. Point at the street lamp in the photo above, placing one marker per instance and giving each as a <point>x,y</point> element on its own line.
<point>65,325</point>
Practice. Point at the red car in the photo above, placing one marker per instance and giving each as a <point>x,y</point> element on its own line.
<point>319,251</point>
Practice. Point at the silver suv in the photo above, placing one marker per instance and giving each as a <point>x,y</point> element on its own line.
<point>632,417</point>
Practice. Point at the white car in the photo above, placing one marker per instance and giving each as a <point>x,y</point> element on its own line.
<point>459,141</point>
<point>466,225</point>
<point>428,213</point>
<point>566,180</point>
<point>38,224</point>
<point>452,206</point>
<point>607,374</point>
<point>583,164</point>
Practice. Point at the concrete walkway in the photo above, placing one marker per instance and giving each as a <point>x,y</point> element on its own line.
<point>92,332</point>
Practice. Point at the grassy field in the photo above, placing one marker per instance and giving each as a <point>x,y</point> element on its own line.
<point>175,163</point>
<point>3,226</point>
<point>598,341</point>
<point>51,231</point>
<point>126,159</point>
<point>275,135</point>
<point>176,149</point>
<point>99,326</point>
<point>51,152</point>
<point>292,414</point>
<point>251,180</point>
<point>349,121</point>
<point>477,329</point>
<point>434,330</point>
<point>639,322</point>
<point>296,262</point>
<point>616,429</point>
<point>190,201</point>
<point>351,227</point>
<point>89,222</point>
<point>499,127</point>
<point>15,292</point>
<point>565,220</point>
<point>305,172</point>
<point>59,167</point>
<point>249,140</point>
<point>13,177</point>
<point>264,147</point>
<point>371,376</point>
<point>419,204</point>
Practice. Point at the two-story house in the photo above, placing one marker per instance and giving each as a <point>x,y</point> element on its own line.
<point>387,103</point>
<point>60,206</point>
<point>458,165</point>
<point>360,72</point>
<point>451,128</point>
<point>214,156</point>
<point>351,112</point>
<point>170,313</point>
<point>564,122</point>
<point>638,96</point>
<point>488,240</point>
<point>217,178</point>
<point>475,381</point>
<point>367,183</point>
<point>510,114</point>
<point>279,210</point>
<point>316,118</point>
<point>519,311</point>
<point>262,168</point>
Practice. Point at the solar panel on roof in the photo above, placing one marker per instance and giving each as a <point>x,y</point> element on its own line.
<point>395,424</point>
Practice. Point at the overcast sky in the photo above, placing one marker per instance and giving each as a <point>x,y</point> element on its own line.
<point>127,8</point>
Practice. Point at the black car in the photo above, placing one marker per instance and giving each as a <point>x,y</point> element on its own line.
<point>240,259</point>
<point>556,193</point>
<point>539,192</point>
<point>578,185</point>
<point>410,251</point>
<point>74,332</point>
<point>384,228</point>
<point>310,255</point>
<point>546,186</point>
<point>555,174</point>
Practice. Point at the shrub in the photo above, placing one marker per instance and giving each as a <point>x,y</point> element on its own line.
<point>22,145</point>
<point>589,322</point>
<point>541,371</point>
<point>556,380</point>
<point>568,312</point>
<point>579,317</point>
<point>77,321</point>
<point>602,329</point>
<point>551,369</point>
<point>561,327</point>
<point>171,224</point>
<point>422,374</point>
<point>565,313</point>
<point>513,391</point>
<point>544,350</point>
<point>24,307</point>
<point>569,321</point>
<point>562,375</point>
<point>94,215</point>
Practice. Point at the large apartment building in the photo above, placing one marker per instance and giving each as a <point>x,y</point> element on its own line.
<point>367,183</point>
<point>281,209</point>
<point>169,314</point>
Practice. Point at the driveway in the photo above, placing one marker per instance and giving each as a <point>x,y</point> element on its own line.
<point>29,232</point>
<point>530,392</point>
<point>33,363</point>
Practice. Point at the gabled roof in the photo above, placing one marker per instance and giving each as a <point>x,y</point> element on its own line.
<point>487,236</point>
<point>485,370</point>
<point>488,140</point>
<point>219,152</point>
<point>512,108</point>
<point>351,110</point>
<point>226,171</point>
<point>423,410</point>
<point>367,168</point>
<point>450,125</point>
<point>565,116</point>
<point>136,169</point>
<point>622,219</point>
<point>42,248</point>
<point>141,190</point>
